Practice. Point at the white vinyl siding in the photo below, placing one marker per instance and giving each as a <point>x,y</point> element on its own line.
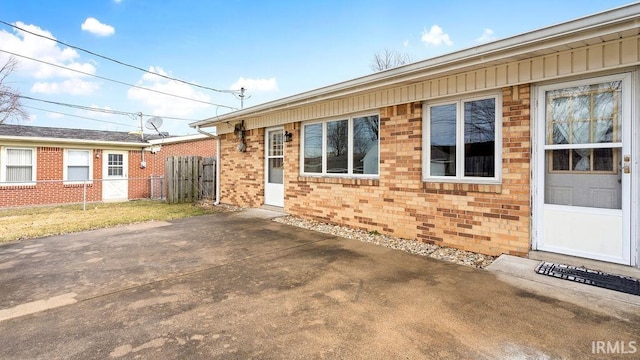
<point>18,165</point>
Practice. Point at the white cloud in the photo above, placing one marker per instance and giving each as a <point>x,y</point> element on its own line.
<point>165,105</point>
<point>95,27</point>
<point>405,43</point>
<point>117,1</point>
<point>256,84</point>
<point>52,115</point>
<point>36,47</point>
<point>73,86</point>
<point>487,35</point>
<point>435,36</point>
<point>151,77</point>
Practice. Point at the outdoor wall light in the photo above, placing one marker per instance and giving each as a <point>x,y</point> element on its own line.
<point>288,136</point>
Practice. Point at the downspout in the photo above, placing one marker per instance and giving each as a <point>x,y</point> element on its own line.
<point>217,200</point>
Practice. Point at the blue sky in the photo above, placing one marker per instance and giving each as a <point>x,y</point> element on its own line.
<point>272,48</point>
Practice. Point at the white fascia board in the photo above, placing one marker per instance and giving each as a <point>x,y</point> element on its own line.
<point>177,139</point>
<point>617,19</point>
<point>58,141</point>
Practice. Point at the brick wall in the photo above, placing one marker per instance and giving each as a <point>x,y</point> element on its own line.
<point>50,189</point>
<point>242,173</point>
<point>491,219</point>
<point>204,147</point>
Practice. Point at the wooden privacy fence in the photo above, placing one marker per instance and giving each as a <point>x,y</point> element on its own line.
<point>190,178</point>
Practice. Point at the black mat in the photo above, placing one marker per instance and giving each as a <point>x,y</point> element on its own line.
<point>621,283</point>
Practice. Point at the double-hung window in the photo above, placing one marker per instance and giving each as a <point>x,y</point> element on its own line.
<point>77,165</point>
<point>341,147</point>
<point>462,140</point>
<point>18,165</point>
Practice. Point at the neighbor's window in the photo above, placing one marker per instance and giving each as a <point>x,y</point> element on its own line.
<point>461,140</point>
<point>341,147</point>
<point>78,165</point>
<point>18,165</point>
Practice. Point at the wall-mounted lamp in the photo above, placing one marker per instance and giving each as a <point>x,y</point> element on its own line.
<point>288,136</point>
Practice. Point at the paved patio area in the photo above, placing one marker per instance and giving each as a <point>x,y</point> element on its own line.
<point>240,286</point>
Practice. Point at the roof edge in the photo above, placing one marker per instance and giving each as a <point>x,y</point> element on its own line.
<point>52,140</point>
<point>605,18</point>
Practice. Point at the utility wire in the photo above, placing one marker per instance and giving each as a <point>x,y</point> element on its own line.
<point>117,61</point>
<point>81,117</point>
<point>115,81</point>
<point>107,111</point>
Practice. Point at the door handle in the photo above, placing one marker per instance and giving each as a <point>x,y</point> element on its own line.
<point>626,168</point>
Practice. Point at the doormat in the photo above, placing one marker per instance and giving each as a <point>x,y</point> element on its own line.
<point>620,283</point>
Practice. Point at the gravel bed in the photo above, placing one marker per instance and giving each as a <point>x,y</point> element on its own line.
<point>457,256</point>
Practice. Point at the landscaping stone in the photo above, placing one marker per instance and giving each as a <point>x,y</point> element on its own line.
<point>457,256</point>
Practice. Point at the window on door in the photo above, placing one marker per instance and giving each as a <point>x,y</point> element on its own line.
<point>276,157</point>
<point>583,145</point>
<point>115,165</point>
<point>18,165</point>
<point>77,165</point>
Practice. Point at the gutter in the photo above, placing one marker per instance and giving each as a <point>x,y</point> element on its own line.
<point>217,200</point>
<point>48,140</point>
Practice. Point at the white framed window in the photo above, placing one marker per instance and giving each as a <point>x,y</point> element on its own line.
<point>462,140</point>
<point>18,165</point>
<point>78,165</point>
<point>341,147</point>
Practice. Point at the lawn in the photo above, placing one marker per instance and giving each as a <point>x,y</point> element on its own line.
<point>25,223</point>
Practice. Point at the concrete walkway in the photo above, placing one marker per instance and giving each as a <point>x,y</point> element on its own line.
<point>240,286</point>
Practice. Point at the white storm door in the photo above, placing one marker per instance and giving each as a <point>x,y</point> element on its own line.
<point>584,178</point>
<point>115,183</point>
<point>274,167</point>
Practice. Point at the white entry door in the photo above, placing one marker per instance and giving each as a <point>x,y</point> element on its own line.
<point>583,167</point>
<point>115,183</point>
<point>274,167</point>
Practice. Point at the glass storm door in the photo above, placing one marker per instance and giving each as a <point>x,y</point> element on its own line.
<point>114,174</point>
<point>583,200</point>
<point>274,168</point>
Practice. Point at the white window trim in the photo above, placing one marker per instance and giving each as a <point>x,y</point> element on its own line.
<point>426,144</point>
<point>65,171</point>
<point>350,174</point>
<point>3,165</point>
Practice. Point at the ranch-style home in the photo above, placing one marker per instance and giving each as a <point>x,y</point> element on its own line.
<point>46,165</point>
<point>526,143</point>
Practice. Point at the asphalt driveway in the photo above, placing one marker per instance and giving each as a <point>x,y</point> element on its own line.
<point>232,286</point>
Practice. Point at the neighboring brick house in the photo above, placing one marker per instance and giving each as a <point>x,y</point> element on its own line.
<point>45,165</point>
<point>530,142</point>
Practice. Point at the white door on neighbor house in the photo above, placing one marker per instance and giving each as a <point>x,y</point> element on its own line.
<point>583,196</point>
<point>274,167</point>
<point>115,183</point>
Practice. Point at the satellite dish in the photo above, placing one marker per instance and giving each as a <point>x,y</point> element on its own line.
<point>154,123</point>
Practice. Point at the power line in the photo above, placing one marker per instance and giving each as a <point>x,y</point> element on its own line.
<point>106,111</point>
<point>81,117</point>
<point>117,81</point>
<point>117,61</point>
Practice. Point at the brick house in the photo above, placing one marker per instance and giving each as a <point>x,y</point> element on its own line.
<point>45,165</point>
<point>530,142</point>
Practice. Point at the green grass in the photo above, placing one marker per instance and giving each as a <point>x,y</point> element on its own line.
<point>25,223</point>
